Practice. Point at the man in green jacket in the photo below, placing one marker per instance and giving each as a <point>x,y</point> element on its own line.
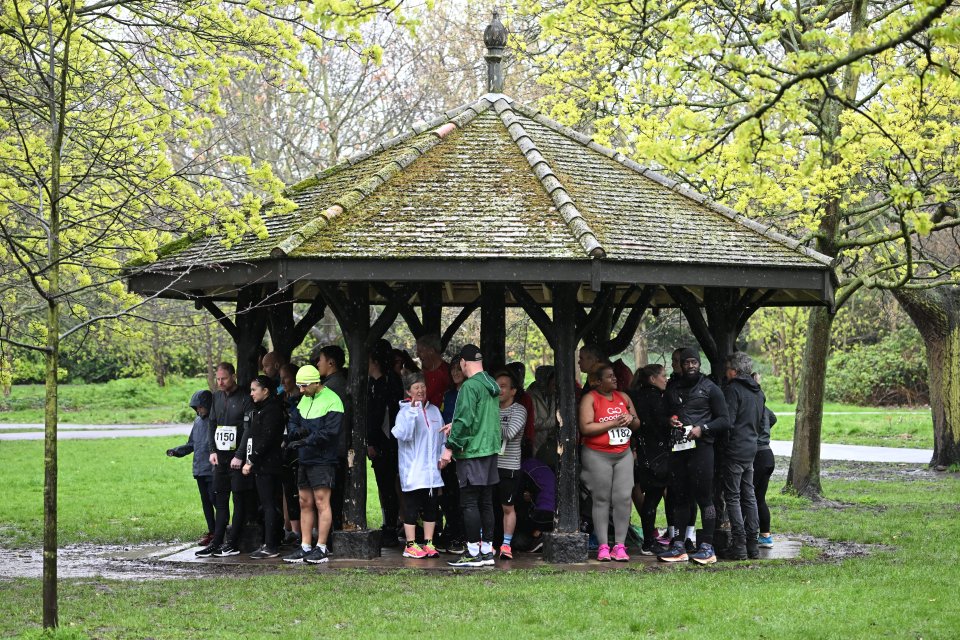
<point>473,439</point>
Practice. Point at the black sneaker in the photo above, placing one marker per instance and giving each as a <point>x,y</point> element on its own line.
<point>296,556</point>
<point>537,545</point>
<point>488,559</point>
<point>263,553</point>
<point>456,546</point>
<point>207,551</point>
<point>652,548</point>
<point>291,538</point>
<point>467,561</point>
<point>317,556</point>
<point>226,551</point>
<point>689,545</point>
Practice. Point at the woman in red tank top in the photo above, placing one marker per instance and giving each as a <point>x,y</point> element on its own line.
<point>607,420</point>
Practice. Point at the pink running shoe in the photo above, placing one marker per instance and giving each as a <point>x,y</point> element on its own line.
<point>620,553</point>
<point>603,553</point>
<point>414,551</point>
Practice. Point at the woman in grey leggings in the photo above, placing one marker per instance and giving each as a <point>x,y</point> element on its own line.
<point>607,420</point>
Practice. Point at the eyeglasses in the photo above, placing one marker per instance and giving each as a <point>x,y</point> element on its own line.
<point>303,386</point>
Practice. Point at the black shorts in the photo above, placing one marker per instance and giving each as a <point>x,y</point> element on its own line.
<point>509,486</point>
<point>316,476</point>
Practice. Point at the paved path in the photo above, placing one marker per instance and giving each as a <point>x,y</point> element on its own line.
<point>859,453</point>
<point>90,431</point>
<point>780,447</point>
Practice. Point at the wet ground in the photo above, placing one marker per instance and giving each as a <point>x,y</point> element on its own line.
<point>870,471</point>
<point>166,562</point>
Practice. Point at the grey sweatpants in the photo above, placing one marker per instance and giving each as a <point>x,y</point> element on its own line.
<point>609,477</point>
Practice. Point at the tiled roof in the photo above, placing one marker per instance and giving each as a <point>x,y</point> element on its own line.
<point>498,179</point>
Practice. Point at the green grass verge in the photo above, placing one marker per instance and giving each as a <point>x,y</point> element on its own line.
<point>128,401</point>
<point>124,490</point>
<point>871,426</point>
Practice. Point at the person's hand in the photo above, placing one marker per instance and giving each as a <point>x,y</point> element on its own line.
<point>695,433</point>
<point>246,469</point>
<point>371,452</point>
<point>213,459</point>
<point>236,463</point>
<point>296,444</point>
<point>445,429</point>
<point>172,453</point>
<point>445,458</point>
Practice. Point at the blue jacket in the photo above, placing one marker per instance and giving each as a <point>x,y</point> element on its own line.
<point>197,443</point>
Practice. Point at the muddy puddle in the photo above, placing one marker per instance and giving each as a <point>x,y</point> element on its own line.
<point>871,471</point>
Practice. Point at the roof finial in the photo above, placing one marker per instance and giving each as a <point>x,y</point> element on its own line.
<point>495,37</point>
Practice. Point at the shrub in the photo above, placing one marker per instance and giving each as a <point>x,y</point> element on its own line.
<point>891,372</point>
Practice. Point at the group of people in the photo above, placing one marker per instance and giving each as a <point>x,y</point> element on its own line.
<point>465,459</point>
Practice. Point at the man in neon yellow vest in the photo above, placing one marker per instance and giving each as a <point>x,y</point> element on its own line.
<point>313,430</point>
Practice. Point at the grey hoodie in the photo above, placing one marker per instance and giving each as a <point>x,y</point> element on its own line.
<point>197,442</point>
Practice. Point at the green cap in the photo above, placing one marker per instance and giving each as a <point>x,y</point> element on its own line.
<point>307,374</point>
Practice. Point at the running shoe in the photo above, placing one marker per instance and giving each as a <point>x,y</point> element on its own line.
<point>689,545</point>
<point>430,551</point>
<point>207,551</point>
<point>456,546</point>
<point>506,553</point>
<point>664,539</point>
<point>263,553</point>
<point>317,556</point>
<point>226,551</point>
<point>297,556</point>
<point>676,553</point>
<point>537,545</point>
<point>291,538</point>
<point>603,553</point>
<point>620,553</point>
<point>765,542</point>
<point>652,548</point>
<point>467,561</point>
<point>488,558</point>
<point>705,554</point>
<point>205,540</point>
<point>413,550</point>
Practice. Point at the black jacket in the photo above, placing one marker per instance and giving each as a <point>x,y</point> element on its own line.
<point>263,439</point>
<point>699,403</point>
<point>745,403</point>
<point>653,436</point>
<point>229,410</point>
<point>769,419</point>
<point>385,394</point>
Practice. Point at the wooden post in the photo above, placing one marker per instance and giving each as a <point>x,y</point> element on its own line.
<point>493,325</point>
<point>355,501</point>
<point>566,544</point>
<point>251,323</point>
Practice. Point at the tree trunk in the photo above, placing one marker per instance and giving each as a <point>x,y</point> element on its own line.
<point>936,314</point>
<point>803,478</point>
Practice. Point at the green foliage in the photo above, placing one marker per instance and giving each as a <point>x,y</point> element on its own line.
<point>890,372</point>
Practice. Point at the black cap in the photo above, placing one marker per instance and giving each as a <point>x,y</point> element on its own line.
<point>689,354</point>
<point>471,353</point>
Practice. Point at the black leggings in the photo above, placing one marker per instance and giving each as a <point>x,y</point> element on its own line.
<point>205,485</point>
<point>648,511</point>
<point>477,506</point>
<point>244,505</point>
<point>386,470</point>
<point>269,490</point>
<point>419,501</point>
<point>291,493</point>
<point>450,503</point>
<point>691,482</point>
<point>763,465</point>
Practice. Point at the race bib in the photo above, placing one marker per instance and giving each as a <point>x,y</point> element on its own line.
<point>249,447</point>
<point>684,443</point>
<point>225,438</point>
<point>619,436</point>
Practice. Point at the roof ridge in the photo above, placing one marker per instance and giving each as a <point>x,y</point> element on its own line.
<point>673,185</point>
<point>575,221</point>
<point>441,128</point>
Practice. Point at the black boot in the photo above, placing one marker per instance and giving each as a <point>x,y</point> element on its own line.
<point>753,547</point>
<point>737,550</point>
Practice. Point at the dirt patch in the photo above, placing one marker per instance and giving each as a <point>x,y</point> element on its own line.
<point>830,550</point>
<point>872,471</point>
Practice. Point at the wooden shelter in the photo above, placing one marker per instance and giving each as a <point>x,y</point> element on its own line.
<point>490,205</point>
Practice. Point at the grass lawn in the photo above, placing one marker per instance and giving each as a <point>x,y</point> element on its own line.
<point>871,426</point>
<point>903,590</point>
<point>134,401</point>
<point>128,401</point>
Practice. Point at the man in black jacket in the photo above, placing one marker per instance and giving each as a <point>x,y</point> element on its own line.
<point>702,413</point>
<point>745,405</point>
